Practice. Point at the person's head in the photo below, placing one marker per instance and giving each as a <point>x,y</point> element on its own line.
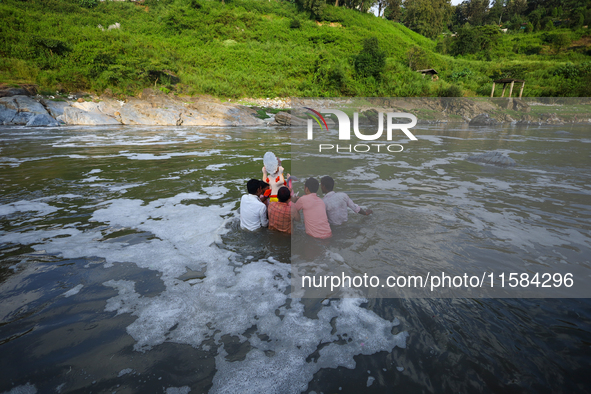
<point>264,185</point>
<point>327,184</point>
<point>283,194</point>
<point>253,186</point>
<point>311,185</point>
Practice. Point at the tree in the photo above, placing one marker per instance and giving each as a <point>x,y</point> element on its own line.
<point>393,10</point>
<point>516,7</point>
<point>496,12</point>
<point>476,11</point>
<point>316,6</point>
<point>476,39</point>
<point>371,61</point>
<point>427,17</point>
<point>460,15</point>
<point>559,41</point>
<point>418,59</point>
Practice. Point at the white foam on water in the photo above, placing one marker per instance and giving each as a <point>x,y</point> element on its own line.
<point>120,188</point>
<point>166,156</point>
<point>41,208</point>
<point>95,171</point>
<point>58,197</point>
<point>215,192</point>
<point>233,296</point>
<point>24,389</point>
<point>124,372</point>
<point>215,167</point>
<point>370,380</point>
<point>93,179</point>
<point>73,291</point>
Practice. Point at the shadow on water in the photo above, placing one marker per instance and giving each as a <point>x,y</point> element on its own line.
<point>256,245</point>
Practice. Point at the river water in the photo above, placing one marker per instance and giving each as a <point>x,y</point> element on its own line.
<point>123,267</point>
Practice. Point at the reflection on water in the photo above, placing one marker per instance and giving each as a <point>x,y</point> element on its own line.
<point>123,268</point>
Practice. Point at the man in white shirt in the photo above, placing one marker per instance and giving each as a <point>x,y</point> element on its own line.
<point>337,203</point>
<point>253,213</point>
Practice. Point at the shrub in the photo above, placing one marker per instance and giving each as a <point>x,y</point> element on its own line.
<point>371,61</point>
<point>476,39</point>
<point>450,91</point>
<point>418,59</point>
<point>457,75</point>
<point>88,3</point>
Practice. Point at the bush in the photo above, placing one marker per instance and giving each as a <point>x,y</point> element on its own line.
<point>418,59</point>
<point>559,40</point>
<point>371,61</point>
<point>475,39</point>
<point>457,75</point>
<point>88,3</point>
<point>450,91</point>
<point>295,24</point>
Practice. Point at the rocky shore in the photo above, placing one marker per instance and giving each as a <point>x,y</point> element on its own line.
<point>22,106</point>
<point>151,107</point>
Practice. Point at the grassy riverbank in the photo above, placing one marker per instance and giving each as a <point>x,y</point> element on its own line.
<point>255,48</point>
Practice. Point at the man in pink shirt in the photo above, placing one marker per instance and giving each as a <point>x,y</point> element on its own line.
<point>315,218</point>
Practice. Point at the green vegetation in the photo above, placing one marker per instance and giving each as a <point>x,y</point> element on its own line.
<point>260,48</point>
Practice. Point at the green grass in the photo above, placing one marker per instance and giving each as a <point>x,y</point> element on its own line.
<point>247,48</point>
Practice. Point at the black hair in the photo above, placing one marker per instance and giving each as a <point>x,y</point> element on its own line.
<point>311,184</point>
<point>283,194</point>
<point>264,184</point>
<point>327,182</point>
<point>253,186</point>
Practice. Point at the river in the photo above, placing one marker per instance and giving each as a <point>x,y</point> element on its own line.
<point>123,267</point>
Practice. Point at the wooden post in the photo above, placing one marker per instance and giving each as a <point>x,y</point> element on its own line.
<point>521,91</point>
<point>504,87</point>
<point>511,88</point>
<point>493,90</point>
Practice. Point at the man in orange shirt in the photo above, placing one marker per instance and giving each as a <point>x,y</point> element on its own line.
<point>315,218</point>
<point>280,212</point>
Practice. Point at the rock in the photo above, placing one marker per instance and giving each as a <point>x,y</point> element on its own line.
<point>520,105</point>
<point>503,102</point>
<point>553,119</point>
<point>80,100</point>
<point>206,113</point>
<point>286,119</point>
<point>140,112</point>
<point>12,92</point>
<point>76,116</point>
<point>372,116</point>
<point>8,110</point>
<point>19,110</point>
<point>23,90</point>
<point>42,120</point>
<point>495,158</point>
<point>483,120</point>
<point>55,108</point>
